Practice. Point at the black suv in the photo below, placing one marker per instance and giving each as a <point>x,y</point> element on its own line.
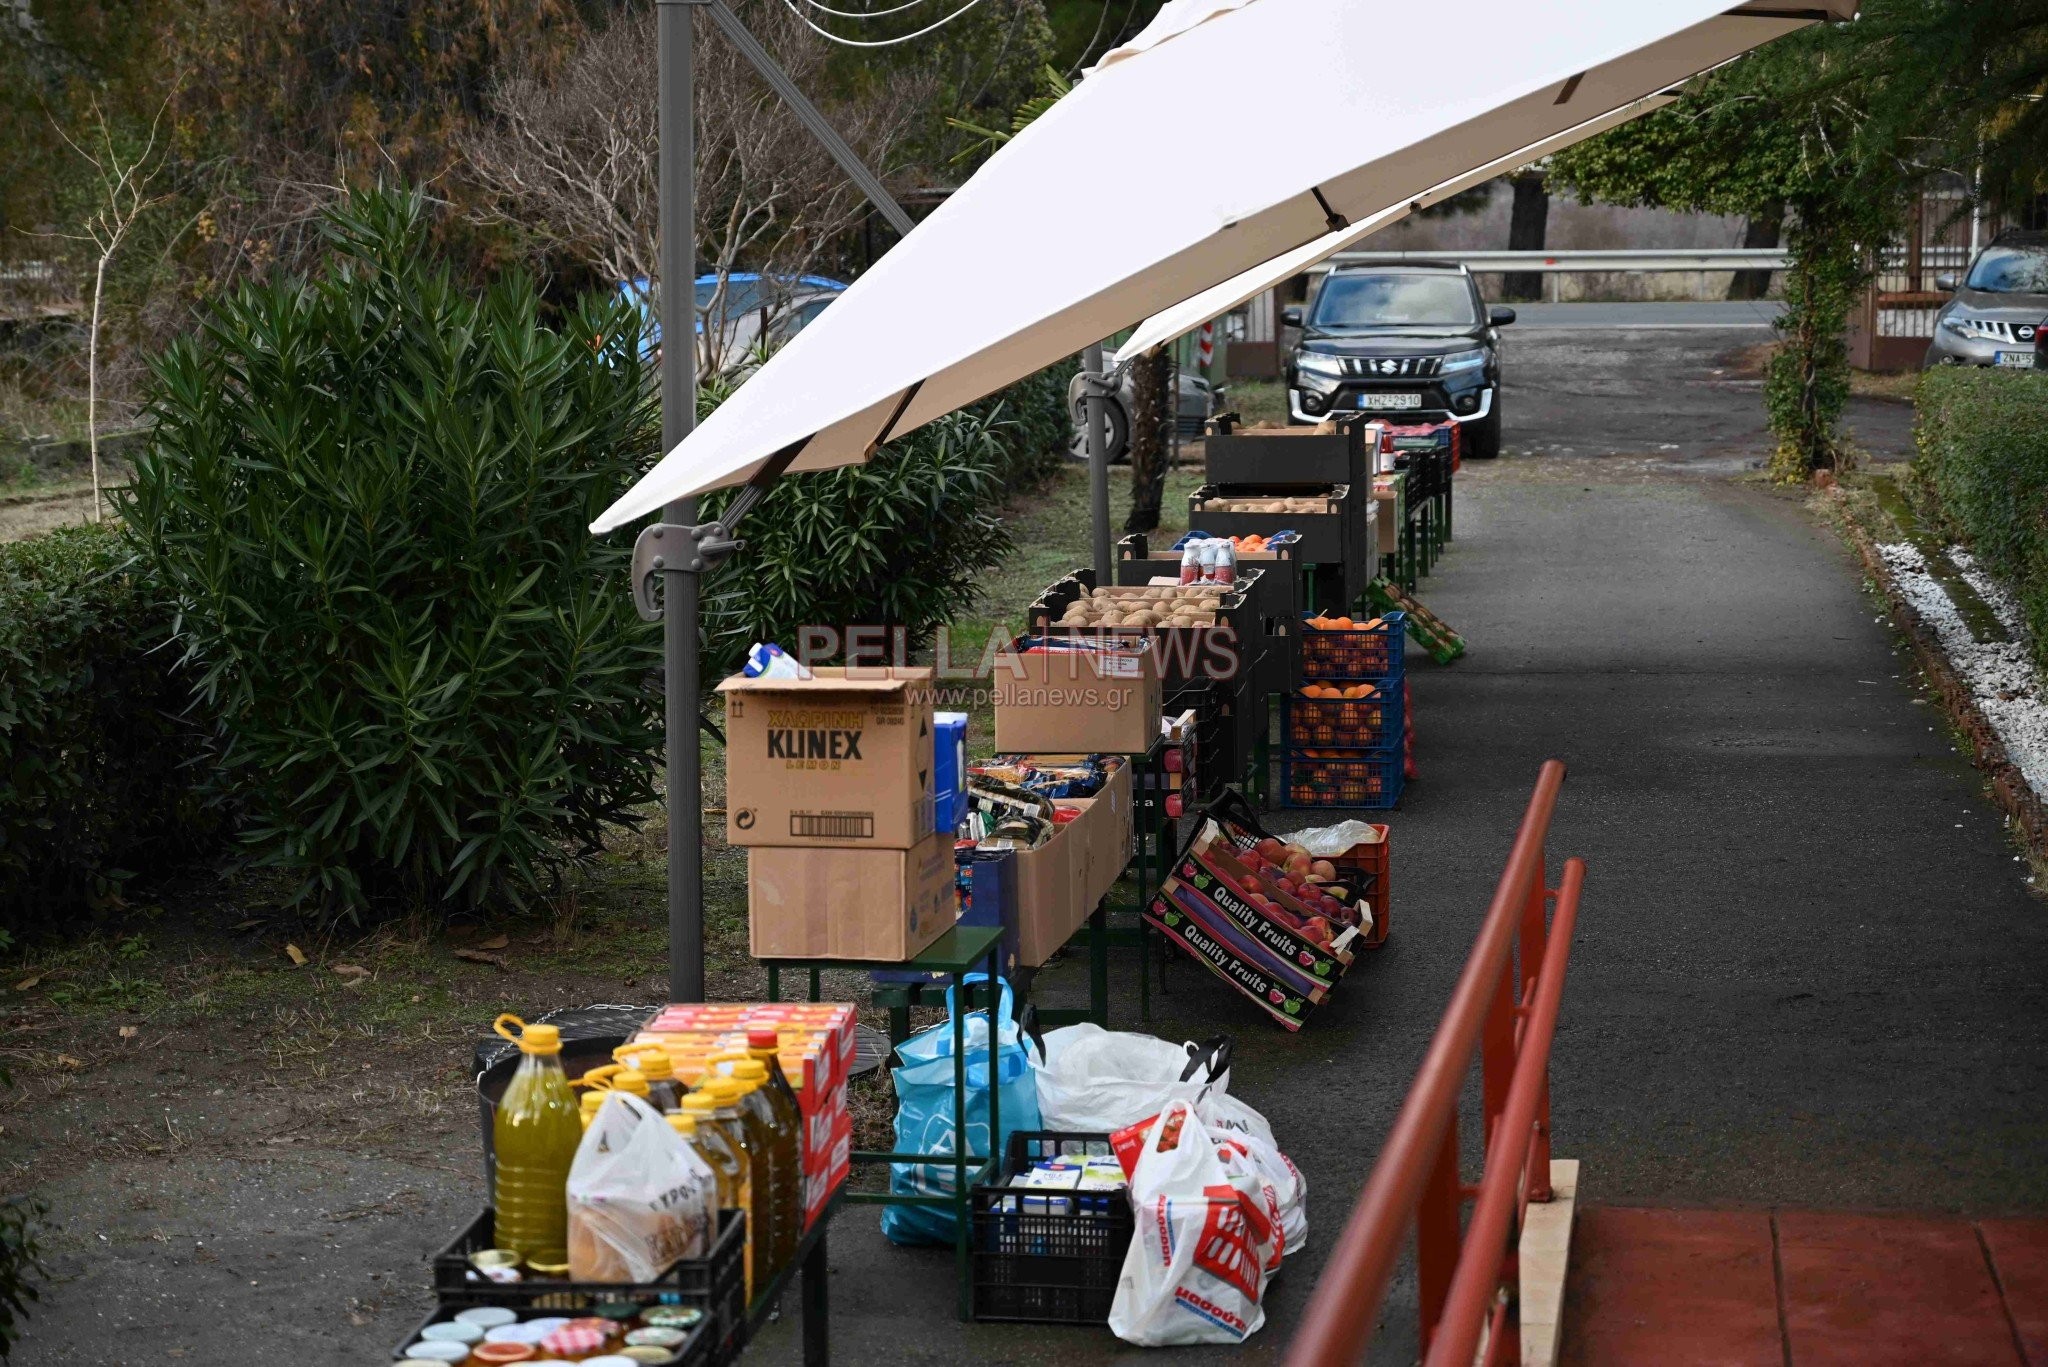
<point>1410,343</point>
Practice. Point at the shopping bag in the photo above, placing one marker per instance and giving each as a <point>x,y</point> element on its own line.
<point>640,1197</point>
<point>1197,1266</point>
<point>1229,1118</point>
<point>1096,1081</point>
<point>927,1118</point>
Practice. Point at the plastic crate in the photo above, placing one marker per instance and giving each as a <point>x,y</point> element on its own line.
<point>700,1349</point>
<point>1342,723</point>
<point>1366,779</point>
<point>715,1284</point>
<point>1368,870</point>
<point>1039,1268</point>
<point>1374,654</point>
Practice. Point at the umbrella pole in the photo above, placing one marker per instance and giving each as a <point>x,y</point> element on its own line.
<point>677,162</point>
<point>1096,405</point>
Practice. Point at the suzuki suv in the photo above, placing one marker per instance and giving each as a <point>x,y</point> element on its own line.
<point>1999,308</point>
<point>1410,343</point>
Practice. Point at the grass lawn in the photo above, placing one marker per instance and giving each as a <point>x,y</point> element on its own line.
<point>197,987</point>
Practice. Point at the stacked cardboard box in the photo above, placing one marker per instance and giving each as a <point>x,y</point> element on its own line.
<point>830,786</point>
<point>815,1047</point>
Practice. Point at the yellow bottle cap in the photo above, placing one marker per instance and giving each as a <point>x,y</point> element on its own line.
<point>651,1059</point>
<point>684,1125</point>
<point>724,1090</point>
<point>591,1101</point>
<point>630,1080</point>
<point>537,1038</point>
<point>700,1102</point>
<point>751,1070</point>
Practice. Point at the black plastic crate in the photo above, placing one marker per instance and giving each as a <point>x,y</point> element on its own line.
<point>1293,455</point>
<point>1336,539</point>
<point>700,1349</point>
<point>1184,653</point>
<point>715,1284</point>
<point>1041,1268</point>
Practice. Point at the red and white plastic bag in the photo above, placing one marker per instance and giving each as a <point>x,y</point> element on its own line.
<point>1205,1245</point>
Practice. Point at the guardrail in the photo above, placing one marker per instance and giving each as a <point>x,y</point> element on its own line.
<point>1583,260</point>
<point>1468,1279</point>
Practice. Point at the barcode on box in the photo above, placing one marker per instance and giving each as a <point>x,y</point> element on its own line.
<point>832,825</point>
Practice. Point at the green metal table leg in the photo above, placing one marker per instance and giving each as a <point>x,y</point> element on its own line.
<point>1098,964</point>
<point>774,983</point>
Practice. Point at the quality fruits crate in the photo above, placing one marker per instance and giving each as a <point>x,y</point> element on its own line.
<point>1362,873</point>
<point>661,1333</point>
<point>1047,1255</point>
<point>715,1283</point>
<point>1354,716</point>
<point>1334,527</point>
<point>1368,779</point>
<point>1337,649</point>
<point>1288,455</point>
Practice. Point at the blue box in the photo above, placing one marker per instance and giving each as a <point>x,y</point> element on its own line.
<point>987,884</point>
<point>949,769</point>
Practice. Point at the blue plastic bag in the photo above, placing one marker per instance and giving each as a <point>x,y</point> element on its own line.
<point>926,1119</point>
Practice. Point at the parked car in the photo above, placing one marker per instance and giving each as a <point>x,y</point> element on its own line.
<point>1999,306</point>
<point>1411,343</point>
<point>1196,403</point>
<point>757,314</point>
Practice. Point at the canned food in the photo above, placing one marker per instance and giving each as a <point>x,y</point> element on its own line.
<point>655,1336</point>
<point>530,1332</point>
<point>454,1331</point>
<point>674,1316</point>
<point>496,1264</point>
<point>439,1350</point>
<point>493,1354</point>
<point>553,1263</point>
<point>487,1316</point>
<point>648,1354</point>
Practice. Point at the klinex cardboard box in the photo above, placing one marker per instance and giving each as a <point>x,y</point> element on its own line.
<point>881,905</point>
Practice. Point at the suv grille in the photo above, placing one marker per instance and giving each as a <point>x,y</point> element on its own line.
<point>1998,330</point>
<point>1392,367</point>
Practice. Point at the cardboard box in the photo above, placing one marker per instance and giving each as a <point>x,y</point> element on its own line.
<point>884,905</point>
<point>1077,701</point>
<point>840,761</point>
<point>1059,883</point>
<point>986,884</point>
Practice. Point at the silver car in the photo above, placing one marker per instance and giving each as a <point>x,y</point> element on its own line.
<point>1195,403</point>
<point>1999,307</point>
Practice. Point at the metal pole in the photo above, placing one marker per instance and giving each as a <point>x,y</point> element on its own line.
<point>678,157</point>
<point>1097,414</point>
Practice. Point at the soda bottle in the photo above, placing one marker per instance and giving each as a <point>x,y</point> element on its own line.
<point>1226,561</point>
<point>752,1139</point>
<point>534,1135</point>
<point>719,1139</point>
<point>1191,563</point>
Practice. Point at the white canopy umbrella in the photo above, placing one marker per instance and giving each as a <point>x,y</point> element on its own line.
<point>1198,309</point>
<point>1049,247</point>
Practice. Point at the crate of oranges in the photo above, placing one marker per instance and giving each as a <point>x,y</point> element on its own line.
<point>1340,778</point>
<point>1342,650</point>
<point>1359,716</point>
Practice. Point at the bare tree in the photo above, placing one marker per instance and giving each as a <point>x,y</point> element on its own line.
<point>121,197</point>
<point>569,159</point>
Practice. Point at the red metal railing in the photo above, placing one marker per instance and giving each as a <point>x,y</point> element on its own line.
<point>1467,1279</point>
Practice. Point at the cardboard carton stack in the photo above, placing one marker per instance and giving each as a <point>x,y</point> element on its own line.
<point>815,1049</point>
<point>830,788</point>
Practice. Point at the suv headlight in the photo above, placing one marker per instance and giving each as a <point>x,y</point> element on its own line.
<point>1463,360</point>
<point>1965,325</point>
<point>1316,363</point>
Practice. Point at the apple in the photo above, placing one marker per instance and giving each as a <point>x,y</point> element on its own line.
<point>1284,884</point>
<point>1298,866</point>
<point>1271,850</point>
<point>1323,870</point>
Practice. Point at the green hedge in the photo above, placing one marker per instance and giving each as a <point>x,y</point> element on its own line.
<point>100,764</point>
<point>1983,450</point>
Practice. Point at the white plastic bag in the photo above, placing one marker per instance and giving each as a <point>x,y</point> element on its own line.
<point>1096,1081</point>
<point>1198,1263</point>
<point>1327,842</point>
<point>640,1197</point>
<point>1230,1119</point>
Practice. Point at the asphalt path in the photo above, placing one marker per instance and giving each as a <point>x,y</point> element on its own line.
<point>1809,970</point>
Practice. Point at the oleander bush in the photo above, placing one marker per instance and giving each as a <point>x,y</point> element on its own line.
<point>1983,451</point>
<point>102,767</point>
<point>368,494</point>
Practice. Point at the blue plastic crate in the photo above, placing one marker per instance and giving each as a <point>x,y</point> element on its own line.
<point>1366,780</point>
<point>1374,654</point>
<point>1343,723</point>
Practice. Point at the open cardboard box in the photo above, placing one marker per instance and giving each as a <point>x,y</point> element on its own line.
<point>1078,701</point>
<point>840,760</point>
<point>1060,882</point>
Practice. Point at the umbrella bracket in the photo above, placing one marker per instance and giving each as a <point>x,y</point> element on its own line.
<point>668,548</point>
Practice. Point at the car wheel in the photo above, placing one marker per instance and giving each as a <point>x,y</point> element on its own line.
<point>1119,435</point>
<point>1483,437</point>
